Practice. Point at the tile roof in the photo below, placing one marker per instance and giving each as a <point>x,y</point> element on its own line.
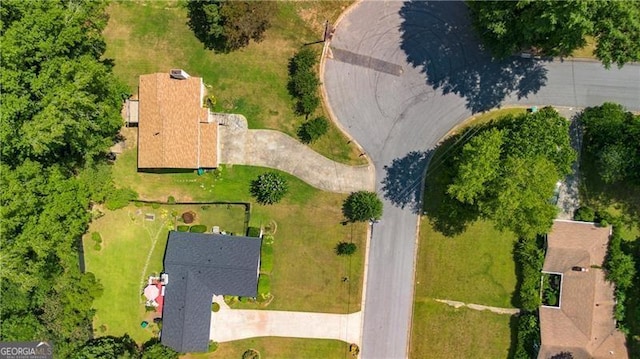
<point>174,130</point>
<point>584,324</point>
<point>199,266</point>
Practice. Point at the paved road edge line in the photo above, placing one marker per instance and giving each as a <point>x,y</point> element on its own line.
<point>325,98</point>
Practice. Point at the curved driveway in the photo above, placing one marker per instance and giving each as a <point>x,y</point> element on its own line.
<point>399,76</point>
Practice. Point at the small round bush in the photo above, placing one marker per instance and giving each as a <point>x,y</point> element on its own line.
<point>215,307</point>
<point>188,217</point>
<point>171,200</point>
<point>312,130</point>
<point>345,248</point>
<point>95,236</point>
<point>251,354</point>
<point>183,228</point>
<point>97,246</point>
<point>198,228</point>
<point>585,214</point>
<point>269,188</point>
<point>362,206</point>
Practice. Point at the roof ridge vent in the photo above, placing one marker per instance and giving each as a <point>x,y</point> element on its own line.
<point>179,74</point>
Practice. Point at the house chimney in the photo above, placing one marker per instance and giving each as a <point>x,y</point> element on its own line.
<point>179,74</point>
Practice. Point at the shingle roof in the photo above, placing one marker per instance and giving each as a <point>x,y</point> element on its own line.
<point>584,324</point>
<point>199,266</point>
<point>173,128</point>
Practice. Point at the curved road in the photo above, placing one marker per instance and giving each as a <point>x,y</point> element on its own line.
<point>399,76</point>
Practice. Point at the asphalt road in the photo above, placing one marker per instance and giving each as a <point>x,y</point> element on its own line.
<point>402,76</point>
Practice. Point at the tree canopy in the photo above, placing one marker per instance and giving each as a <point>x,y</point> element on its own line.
<point>362,206</point>
<point>612,137</point>
<point>269,188</point>
<point>60,113</point>
<point>508,170</point>
<point>557,28</point>
<point>230,25</point>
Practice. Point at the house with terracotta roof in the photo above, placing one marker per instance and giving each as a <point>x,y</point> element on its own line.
<point>582,324</point>
<point>175,131</point>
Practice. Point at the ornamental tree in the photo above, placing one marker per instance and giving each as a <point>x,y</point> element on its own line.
<point>269,188</point>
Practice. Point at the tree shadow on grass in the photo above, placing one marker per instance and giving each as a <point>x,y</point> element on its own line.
<point>447,215</point>
<point>403,183</point>
<point>437,36</point>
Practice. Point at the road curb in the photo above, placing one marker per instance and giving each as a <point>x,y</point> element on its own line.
<point>327,106</point>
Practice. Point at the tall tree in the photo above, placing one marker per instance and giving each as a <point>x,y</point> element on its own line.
<point>60,112</point>
<point>230,25</point>
<point>559,27</point>
<point>509,169</point>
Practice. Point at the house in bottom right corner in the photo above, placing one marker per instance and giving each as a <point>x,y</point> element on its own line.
<point>582,323</point>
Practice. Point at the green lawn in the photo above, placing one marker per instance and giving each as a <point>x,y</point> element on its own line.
<point>282,348</point>
<point>465,259</point>
<point>153,36</point>
<point>449,333</point>
<point>474,267</point>
<point>132,249</point>
<point>306,274</point>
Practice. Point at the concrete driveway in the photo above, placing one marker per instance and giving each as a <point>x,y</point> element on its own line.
<point>266,148</point>
<point>399,77</point>
<point>234,324</point>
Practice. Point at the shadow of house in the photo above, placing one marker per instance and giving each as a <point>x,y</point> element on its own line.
<point>200,266</point>
<point>437,36</point>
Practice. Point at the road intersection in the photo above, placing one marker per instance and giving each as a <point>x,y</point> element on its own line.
<point>400,75</point>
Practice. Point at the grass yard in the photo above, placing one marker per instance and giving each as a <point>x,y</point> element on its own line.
<point>488,116</point>
<point>279,348</point>
<point>449,333</point>
<point>586,52</point>
<point>132,249</point>
<point>153,36</point>
<point>465,259</point>
<point>474,267</point>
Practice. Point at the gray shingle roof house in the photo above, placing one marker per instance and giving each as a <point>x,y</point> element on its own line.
<point>199,266</point>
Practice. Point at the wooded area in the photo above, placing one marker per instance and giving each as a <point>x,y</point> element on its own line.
<point>60,113</point>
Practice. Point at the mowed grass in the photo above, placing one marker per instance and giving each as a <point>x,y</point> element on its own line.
<point>474,267</point>
<point>279,348</point>
<point>133,249</point>
<point>449,333</point>
<point>472,263</point>
<point>153,36</point>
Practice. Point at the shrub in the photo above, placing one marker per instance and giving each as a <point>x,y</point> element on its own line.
<point>213,346</point>
<point>251,354</point>
<point>97,246</point>
<point>215,307</point>
<point>155,205</point>
<point>96,237</point>
<point>269,188</point>
<point>253,232</point>
<point>182,228</point>
<point>119,198</point>
<point>362,206</point>
<point>266,258</point>
<point>188,217</point>
<point>267,239</point>
<point>528,336</point>
<point>264,285</point>
<point>171,200</point>
<point>585,214</point>
<point>138,204</point>
<point>345,249</point>
<point>198,228</point>
<point>303,81</point>
<point>312,130</point>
